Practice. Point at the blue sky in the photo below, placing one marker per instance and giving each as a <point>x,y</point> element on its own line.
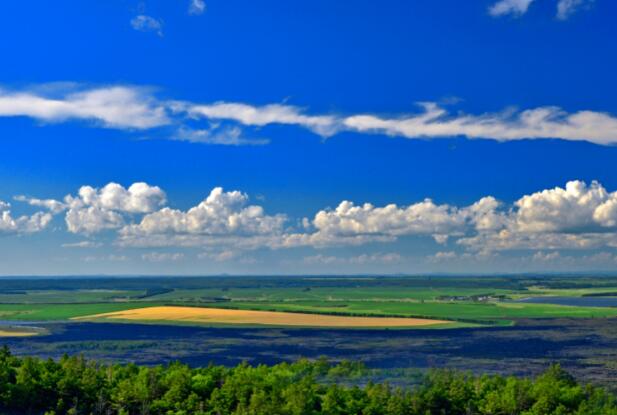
<point>307,137</point>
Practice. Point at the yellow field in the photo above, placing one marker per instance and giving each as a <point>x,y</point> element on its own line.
<point>249,317</point>
<point>9,333</point>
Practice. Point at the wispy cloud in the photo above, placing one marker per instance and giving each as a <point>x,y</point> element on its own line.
<point>162,256</point>
<point>222,256</point>
<point>433,122</point>
<point>144,23</point>
<point>246,114</point>
<point>364,259</point>
<point>566,8</point>
<point>541,122</point>
<point>227,136</point>
<point>82,244</point>
<point>510,7</point>
<point>52,205</point>
<point>197,7</point>
<point>517,8</point>
<point>229,123</point>
<point>112,107</point>
<point>106,258</point>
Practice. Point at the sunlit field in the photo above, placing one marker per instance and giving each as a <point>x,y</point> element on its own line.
<point>249,317</point>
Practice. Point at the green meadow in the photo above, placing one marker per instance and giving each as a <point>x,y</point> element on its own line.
<point>51,312</point>
<point>467,300</point>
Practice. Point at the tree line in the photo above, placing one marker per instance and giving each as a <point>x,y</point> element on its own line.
<point>74,385</point>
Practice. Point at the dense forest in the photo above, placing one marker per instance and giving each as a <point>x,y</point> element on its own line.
<point>74,385</point>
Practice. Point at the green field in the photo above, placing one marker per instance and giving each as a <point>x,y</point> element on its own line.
<point>479,300</point>
<point>64,296</point>
<point>51,312</point>
<point>488,312</point>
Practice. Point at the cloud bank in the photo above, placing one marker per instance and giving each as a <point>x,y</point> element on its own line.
<point>578,216</point>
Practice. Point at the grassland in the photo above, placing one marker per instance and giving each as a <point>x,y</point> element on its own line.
<point>64,296</point>
<point>265,318</point>
<point>493,313</point>
<point>466,300</point>
<point>51,312</point>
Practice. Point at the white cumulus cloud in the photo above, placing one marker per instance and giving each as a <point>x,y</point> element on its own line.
<point>578,216</point>
<point>222,216</point>
<point>577,207</point>
<point>93,210</point>
<point>22,224</point>
<point>357,224</point>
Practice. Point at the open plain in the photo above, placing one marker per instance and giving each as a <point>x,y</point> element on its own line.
<point>398,325</point>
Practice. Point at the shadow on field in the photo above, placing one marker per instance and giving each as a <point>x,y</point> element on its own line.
<point>586,347</point>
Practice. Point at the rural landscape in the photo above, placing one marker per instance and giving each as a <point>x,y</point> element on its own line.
<point>484,324</point>
<point>357,331</point>
<point>231,207</point>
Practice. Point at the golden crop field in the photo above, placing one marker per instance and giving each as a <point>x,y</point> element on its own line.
<point>250,317</point>
<point>11,333</point>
